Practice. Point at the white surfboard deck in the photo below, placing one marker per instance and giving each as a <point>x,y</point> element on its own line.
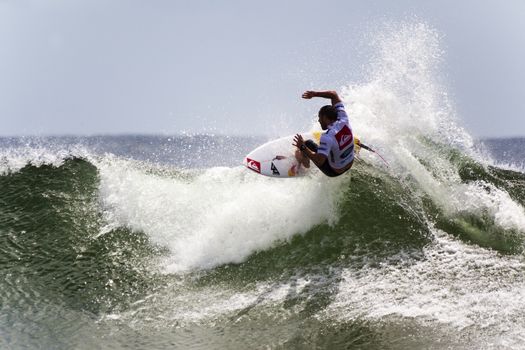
<point>277,158</point>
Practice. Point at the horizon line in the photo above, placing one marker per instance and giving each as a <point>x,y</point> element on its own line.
<point>188,134</point>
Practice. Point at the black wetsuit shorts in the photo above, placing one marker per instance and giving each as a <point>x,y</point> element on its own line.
<point>325,168</point>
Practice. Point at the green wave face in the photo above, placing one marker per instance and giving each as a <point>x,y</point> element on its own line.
<point>496,190</point>
<point>50,225</point>
<point>63,251</point>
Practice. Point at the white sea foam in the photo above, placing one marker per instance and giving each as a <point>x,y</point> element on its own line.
<point>405,112</point>
<point>14,159</point>
<point>454,285</point>
<point>218,216</point>
<point>19,152</point>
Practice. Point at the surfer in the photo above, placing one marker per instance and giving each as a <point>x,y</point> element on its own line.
<point>335,153</point>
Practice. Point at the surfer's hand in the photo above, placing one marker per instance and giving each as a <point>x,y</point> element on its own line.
<point>308,94</point>
<point>298,141</point>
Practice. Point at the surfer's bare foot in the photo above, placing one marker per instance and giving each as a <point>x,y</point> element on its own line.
<point>304,161</point>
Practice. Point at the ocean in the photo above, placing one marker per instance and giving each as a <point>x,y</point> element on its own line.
<point>168,242</point>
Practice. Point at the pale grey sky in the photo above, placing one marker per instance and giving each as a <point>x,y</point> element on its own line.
<point>135,66</point>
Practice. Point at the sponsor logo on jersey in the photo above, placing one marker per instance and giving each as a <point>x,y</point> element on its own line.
<point>344,137</point>
<point>253,164</point>
<point>347,153</point>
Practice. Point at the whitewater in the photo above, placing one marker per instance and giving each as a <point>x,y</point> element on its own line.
<point>156,242</point>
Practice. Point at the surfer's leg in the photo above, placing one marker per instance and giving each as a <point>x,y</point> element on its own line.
<point>328,170</point>
<point>304,161</point>
<point>325,168</point>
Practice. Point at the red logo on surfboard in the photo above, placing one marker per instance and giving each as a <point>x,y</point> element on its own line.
<point>253,164</point>
<point>344,137</point>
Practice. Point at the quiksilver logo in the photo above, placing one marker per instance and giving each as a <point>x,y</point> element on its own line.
<point>344,139</point>
<point>253,164</point>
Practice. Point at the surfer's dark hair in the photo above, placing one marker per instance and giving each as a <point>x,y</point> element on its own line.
<point>328,111</point>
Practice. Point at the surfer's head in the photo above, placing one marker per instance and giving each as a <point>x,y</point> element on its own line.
<point>327,115</point>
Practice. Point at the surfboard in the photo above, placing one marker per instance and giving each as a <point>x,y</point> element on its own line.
<point>277,158</point>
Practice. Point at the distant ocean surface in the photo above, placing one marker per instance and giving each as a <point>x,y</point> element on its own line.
<point>168,242</point>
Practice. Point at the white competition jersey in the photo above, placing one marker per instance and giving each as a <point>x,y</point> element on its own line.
<point>337,144</point>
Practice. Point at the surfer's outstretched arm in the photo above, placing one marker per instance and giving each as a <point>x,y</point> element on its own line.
<point>317,158</point>
<point>332,95</point>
